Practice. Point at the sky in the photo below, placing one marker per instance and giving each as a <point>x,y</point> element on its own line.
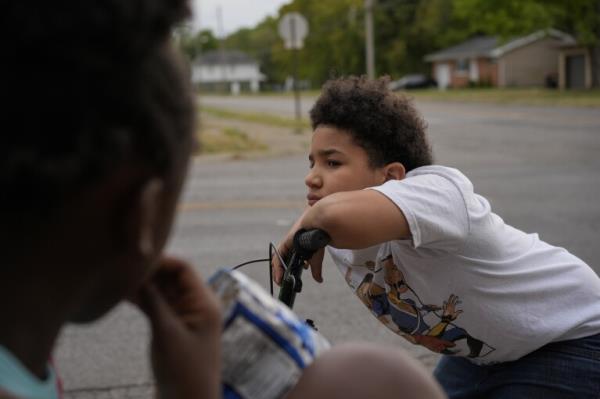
<point>236,14</point>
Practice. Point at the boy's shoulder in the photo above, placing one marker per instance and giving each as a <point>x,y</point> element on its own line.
<point>439,170</point>
<point>439,176</point>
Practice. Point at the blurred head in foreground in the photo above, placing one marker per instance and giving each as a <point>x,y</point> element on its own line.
<point>96,137</point>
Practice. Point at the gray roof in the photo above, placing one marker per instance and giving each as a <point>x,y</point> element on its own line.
<point>491,47</point>
<point>474,47</point>
<point>229,57</point>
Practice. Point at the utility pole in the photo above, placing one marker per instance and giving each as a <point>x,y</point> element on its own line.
<point>295,71</point>
<point>221,37</point>
<point>196,24</point>
<point>369,40</point>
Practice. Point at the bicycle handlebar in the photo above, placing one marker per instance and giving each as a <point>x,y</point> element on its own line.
<point>306,243</point>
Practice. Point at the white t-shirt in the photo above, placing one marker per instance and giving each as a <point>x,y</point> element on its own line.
<point>466,283</point>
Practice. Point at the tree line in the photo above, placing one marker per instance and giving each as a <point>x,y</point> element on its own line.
<point>405,31</point>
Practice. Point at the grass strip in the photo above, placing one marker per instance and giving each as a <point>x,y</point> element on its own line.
<point>261,118</point>
<point>517,96</point>
<point>228,140</point>
<point>538,97</point>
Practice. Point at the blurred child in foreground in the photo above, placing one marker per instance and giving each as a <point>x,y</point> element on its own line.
<point>98,122</point>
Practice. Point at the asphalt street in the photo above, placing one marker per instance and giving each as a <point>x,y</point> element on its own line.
<point>539,167</point>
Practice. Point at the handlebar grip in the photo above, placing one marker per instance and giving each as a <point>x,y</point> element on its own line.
<point>306,242</point>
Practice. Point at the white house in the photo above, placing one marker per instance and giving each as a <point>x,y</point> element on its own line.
<point>230,69</point>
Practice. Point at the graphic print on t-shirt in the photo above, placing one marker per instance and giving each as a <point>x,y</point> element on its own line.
<point>399,308</point>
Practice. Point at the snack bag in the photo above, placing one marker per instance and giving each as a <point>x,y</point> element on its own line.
<point>265,345</point>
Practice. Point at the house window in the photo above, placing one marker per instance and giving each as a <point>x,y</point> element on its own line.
<point>462,65</point>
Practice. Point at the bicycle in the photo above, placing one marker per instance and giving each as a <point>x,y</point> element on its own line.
<point>305,244</point>
<point>263,338</point>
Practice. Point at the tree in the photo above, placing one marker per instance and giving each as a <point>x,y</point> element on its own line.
<point>507,18</point>
<point>405,31</point>
<point>260,42</point>
<point>194,44</point>
<point>335,28</point>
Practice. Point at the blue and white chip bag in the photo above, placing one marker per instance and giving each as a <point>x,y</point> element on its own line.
<point>265,345</point>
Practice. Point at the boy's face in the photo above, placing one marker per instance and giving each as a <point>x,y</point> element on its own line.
<point>338,164</point>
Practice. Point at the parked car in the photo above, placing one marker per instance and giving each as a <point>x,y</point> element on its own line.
<point>413,81</point>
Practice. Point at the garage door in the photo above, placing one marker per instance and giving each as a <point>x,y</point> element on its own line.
<point>576,72</point>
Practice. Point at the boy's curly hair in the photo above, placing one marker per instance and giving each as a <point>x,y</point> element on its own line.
<point>86,86</point>
<point>384,123</point>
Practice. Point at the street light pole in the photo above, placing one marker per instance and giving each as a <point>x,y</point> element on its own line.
<point>369,40</point>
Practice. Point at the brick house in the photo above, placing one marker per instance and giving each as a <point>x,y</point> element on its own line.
<point>531,60</point>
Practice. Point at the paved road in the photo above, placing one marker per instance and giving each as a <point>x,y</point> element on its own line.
<point>539,167</point>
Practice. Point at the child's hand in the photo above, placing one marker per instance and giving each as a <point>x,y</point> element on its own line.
<point>284,248</point>
<point>316,265</point>
<point>185,318</point>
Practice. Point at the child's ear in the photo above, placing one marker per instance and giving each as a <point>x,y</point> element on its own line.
<point>394,171</point>
<point>148,204</point>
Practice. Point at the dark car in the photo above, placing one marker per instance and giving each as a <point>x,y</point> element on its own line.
<point>414,81</point>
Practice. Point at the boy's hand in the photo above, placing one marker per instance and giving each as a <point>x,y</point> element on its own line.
<point>185,318</point>
<point>316,265</point>
<point>285,247</point>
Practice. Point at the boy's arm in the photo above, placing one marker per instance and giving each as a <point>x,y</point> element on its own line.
<point>353,220</point>
<point>357,219</point>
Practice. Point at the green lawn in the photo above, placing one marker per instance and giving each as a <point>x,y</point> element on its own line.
<point>537,97</point>
<point>532,96</point>
<point>231,140</point>
<point>540,97</point>
<point>266,119</point>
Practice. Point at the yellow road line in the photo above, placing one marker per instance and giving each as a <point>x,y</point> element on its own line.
<point>257,204</point>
